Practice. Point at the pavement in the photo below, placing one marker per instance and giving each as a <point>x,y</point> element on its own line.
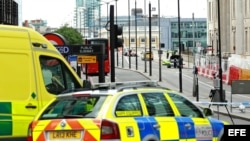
<point>220,109</point>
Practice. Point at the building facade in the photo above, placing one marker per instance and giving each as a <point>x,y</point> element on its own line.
<point>193,32</point>
<point>234,25</point>
<point>9,12</point>
<point>85,15</point>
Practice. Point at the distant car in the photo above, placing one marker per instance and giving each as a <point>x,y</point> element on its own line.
<point>146,55</point>
<point>174,61</point>
<point>122,111</point>
<point>130,52</point>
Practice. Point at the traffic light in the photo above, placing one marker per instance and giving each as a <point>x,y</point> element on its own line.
<point>118,40</point>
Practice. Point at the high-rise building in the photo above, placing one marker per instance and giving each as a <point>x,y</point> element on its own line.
<point>86,13</point>
<point>8,12</point>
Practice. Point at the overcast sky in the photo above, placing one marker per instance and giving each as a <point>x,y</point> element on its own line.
<point>58,12</point>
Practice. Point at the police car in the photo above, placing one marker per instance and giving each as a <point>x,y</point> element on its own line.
<point>123,111</point>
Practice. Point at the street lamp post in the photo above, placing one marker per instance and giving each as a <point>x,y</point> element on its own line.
<point>129,33</point>
<point>99,15</point>
<point>117,50</point>
<point>150,48</point>
<point>80,14</point>
<point>145,37</point>
<point>160,51</point>
<point>195,78</point>
<point>122,51</point>
<point>179,37</point>
<point>219,47</point>
<point>136,58</point>
<point>107,16</point>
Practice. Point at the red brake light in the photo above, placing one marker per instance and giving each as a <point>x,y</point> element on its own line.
<point>109,130</point>
<point>29,136</point>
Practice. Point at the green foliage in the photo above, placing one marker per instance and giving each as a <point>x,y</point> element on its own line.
<point>72,36</point>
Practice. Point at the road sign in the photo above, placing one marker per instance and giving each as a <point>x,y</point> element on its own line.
<point>86,59</point>
<point>86,49</point>
<point>94,49</point>
<point>55,38</point>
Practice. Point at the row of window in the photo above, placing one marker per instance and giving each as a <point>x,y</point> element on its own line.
<point>189,25</point>
<point>127,106</point>
<point>142,40</point>
<point>189,34</point>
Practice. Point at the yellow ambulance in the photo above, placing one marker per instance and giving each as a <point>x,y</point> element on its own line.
<point>32,73</point>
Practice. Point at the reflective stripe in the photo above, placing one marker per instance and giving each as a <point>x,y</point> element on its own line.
<point>5,119</point>
<point>145,125</point>
<point>217,126</point>
<point>184,131</point>
<point>91,128</point>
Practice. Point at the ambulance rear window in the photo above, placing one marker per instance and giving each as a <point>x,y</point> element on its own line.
<point>74,107</point>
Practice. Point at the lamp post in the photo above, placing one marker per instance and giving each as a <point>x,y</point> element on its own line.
<point>150,48</point>
<point>107,16</point>
<point>99,15</point>
<point>160,51</point>
<point>136,58</point>
<point>129,33</point>
<point>219,55</point>
<point>80,14</point>
<point>122,50</point>
<point>179,37</point>
<point>195,71</point>
<point>117,50</point>
<point>145,37</point>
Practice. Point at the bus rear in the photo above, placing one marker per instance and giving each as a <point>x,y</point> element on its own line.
<point>92,68</point>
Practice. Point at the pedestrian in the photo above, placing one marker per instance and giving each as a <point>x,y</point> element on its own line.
<point>175,62</point>
<point>167,54</point>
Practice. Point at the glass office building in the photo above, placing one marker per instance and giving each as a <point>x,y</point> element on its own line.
<point>193,33</point>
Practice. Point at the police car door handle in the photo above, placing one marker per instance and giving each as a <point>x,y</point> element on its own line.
<point>188,125</point>
<point>29,106</point>
<point>156,126</point>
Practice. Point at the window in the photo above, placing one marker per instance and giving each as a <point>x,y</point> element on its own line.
<point>142,40</point>
<point>57,77</point>
<point>185,107</point>
<point>132,40</point>
<point>153,40</point>
<point>128,106</point>
<point>157,104</point>
<point>87,106</point>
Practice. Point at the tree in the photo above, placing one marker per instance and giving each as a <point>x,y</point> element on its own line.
<point>70,34</point>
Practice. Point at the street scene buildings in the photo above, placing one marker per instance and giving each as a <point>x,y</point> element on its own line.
<point>198,35</point>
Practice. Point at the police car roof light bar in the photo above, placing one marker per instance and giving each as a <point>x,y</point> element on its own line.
<point>113,85</point>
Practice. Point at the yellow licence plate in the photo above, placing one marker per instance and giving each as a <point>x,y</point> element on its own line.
<point>64,135</point>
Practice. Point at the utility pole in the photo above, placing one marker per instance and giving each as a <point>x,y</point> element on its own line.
<point>150,46</point>
<point>136,58</point>
<point>112,43</point>
<point>129,33</point>
<point>179,36</point>
<point>159,51</point>
<point>145,37</point>
<point>219,46</point>
<point>117,49</point>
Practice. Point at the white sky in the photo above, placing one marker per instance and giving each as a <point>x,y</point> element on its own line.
<point>58,12</point>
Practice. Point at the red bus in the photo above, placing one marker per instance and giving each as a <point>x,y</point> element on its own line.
<point>92,68</point>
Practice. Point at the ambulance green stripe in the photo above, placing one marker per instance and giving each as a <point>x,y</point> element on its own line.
<point>5,121</point>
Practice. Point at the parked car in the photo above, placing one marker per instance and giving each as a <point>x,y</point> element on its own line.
<point>146,55</point>
<point>130,52</point>
<point>137,110</point>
